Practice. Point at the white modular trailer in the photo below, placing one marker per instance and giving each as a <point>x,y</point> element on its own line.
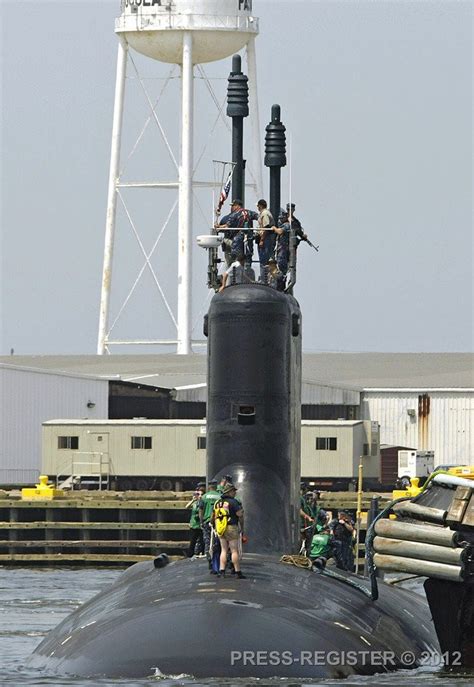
<point>162,453</point>
<point>429,419</point>
<point>331,451</point>
<point>132,450</point>
<point>29,397</point>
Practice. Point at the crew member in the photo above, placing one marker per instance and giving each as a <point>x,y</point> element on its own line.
<point>319,515</point>
<point>275,278</point>
<point>234,274</point>
<point>238,238</point>
<point>321,546</point>
<point>282,250</point>
<point>299,232</point>
<point>225,480</point>
<point>306,519</point>
<point>265,238</point>
<point>342,529</point>
<point>196,541</point>
<point>234,530</point>
<point>206,506</point>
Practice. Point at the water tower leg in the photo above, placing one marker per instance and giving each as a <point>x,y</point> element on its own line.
<point>254,116</point>
<point>185,199</point>
<point>112,195</point>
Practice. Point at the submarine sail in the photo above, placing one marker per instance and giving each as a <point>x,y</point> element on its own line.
<point>254,408</point>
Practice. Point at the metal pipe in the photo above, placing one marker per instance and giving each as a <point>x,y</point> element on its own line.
<point>238,187</point>
<point>275,192</point>
<point>418,550</point>
<point>358,513</point>
<point>426,568</point>
<point>441,536</point>
<point>254,116</point>
<point>185,200</point>
<point>112,195</point>
<point>413,510</point>
<point>371,515</point>
<point>453,481</point>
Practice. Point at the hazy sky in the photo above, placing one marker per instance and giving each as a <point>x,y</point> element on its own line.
<point>377,97</point>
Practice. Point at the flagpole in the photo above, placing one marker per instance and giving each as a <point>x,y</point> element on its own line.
<point>225,191</point>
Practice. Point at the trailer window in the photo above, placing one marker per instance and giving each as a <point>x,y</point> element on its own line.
<point>141,442</point>
<point>326,443</point>
<point>201,442</point>
<point>68,442</point>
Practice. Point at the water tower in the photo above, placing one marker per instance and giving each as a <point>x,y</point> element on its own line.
<point>186,33</point>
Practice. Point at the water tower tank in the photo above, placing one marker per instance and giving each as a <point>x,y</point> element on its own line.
<point>155,27</point>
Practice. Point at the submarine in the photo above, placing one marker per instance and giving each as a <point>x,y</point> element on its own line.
<point>168,619</point>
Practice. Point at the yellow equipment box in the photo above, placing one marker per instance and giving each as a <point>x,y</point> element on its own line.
<point>465,471</point>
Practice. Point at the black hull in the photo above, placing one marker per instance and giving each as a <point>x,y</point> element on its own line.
<point>181,620</point>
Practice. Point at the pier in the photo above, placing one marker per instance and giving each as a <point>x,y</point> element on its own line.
<point>112,528</point>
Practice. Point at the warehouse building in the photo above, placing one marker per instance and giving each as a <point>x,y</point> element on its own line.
<point>422,401</point>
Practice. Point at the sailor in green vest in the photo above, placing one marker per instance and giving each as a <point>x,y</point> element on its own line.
<point>196,541</point>
<point>206,506</point>
<point>321,547</point>
<point>319,515</point>
<point>306,517</point>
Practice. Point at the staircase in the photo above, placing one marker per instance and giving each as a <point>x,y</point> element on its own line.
<point>91,474</point>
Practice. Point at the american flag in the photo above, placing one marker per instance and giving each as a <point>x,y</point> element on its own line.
<point>224,193</point>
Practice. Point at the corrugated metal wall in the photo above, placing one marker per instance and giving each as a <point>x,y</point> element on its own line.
<point>28,398</point>
<point>439,421</point>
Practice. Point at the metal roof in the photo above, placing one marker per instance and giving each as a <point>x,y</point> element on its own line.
<point>354,371</point>
<point>116,423</point>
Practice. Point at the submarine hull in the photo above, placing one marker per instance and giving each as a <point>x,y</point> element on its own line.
<point>180,620</point>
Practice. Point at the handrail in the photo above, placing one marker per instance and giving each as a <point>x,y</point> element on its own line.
<point>101,463</point>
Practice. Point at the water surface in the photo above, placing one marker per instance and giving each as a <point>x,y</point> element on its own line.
<point>34,600</point>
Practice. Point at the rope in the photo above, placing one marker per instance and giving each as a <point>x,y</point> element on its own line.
<point>298,561</point>
<point>303,562</point>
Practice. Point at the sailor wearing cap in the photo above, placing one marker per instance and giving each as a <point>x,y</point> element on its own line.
<point>196,541</point>
<point>229,539</point>
<point>225,479</point>
<point>206,506</point>
<point>236,242</point>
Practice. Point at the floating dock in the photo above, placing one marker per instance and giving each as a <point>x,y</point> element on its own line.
<point>113,528</point>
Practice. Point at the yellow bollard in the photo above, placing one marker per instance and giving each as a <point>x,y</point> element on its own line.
<point>41,492</point>
<point>413,490</point>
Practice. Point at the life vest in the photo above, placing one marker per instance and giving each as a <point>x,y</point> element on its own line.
<point>221,517</point>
